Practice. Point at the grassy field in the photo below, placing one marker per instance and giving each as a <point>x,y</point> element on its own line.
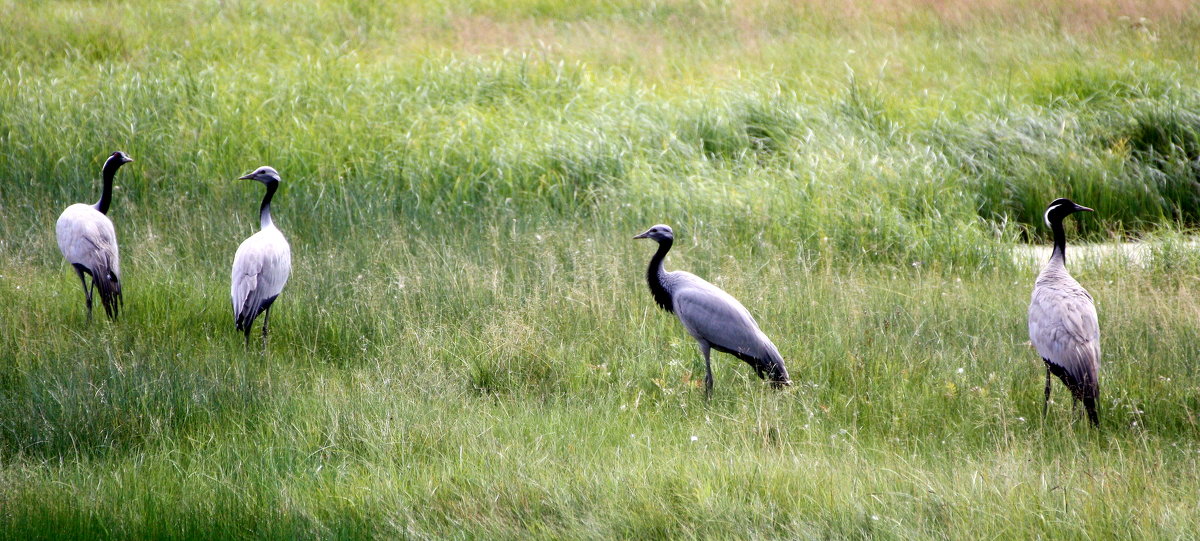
<point>466,347</point>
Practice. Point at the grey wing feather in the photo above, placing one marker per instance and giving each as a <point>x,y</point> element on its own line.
<point>710,314</point>
<point>1065,330</point>
<point>245,283</point>
<point>87,238</point>
<point>261,267</point>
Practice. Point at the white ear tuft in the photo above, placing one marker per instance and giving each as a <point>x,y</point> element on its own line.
<point>1046,216</point>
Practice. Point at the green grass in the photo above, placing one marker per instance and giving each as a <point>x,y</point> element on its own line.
<point>466,347</point>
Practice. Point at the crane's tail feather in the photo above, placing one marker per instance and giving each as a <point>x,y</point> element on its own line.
<point>244,318</point>
<point>1083,386</point>
<point>771,367</point>
<point>1090,404</point>
<point>775,369</point>
<point>108,286</point>
<point>779,374</point>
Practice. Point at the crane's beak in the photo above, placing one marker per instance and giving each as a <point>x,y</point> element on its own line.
<point>249,176</point>
<point>646,234</point>
<point>1081,208</point>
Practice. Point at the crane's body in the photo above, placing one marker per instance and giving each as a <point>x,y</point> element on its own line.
<point>88,241</point>
<point>261,265</point>
<point>260,269</point>
<point>1063,324</point>
<point>711,316</point>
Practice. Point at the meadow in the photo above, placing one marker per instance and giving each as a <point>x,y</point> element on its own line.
<point>466,347</point>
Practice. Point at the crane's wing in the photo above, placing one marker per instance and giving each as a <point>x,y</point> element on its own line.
<point>261,267</point>
<point>1065,330</point>
<point>86,237</point>
<point>710,314</point>
<point>246,269</point>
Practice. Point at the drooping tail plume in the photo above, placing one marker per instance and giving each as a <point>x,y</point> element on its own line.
<point>108,285</point>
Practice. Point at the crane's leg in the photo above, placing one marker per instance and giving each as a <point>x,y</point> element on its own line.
<point>708,379</point>
<point>266,318</point>
<point>87,295</point>
<point>1046,402</point>
<point>91,295</point>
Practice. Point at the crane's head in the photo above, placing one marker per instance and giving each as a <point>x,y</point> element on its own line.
<point>1060,208</point>
<point>120,157</point>
<point>264,174</point>
<point>658,233</point>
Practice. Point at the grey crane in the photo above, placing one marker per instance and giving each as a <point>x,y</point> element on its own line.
<point>713,317</point>
<point>1062,320</point>
<point>88,241</point>
<point>261,265</point>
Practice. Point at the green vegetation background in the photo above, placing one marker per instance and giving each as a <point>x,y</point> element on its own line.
<point>466,347</point>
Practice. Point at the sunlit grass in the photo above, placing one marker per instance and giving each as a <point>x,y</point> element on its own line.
<point>466,347</point>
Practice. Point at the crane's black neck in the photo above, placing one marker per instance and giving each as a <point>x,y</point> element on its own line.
<point>1060,241</point>
<point>109,171</point>
<point>655,275</point>
<point>264,213</point>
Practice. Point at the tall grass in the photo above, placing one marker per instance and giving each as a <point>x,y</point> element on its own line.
<point>466,349</point>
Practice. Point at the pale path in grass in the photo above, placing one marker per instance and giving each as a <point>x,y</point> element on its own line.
<point>1132,253</point>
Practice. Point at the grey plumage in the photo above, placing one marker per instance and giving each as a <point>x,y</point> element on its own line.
<point>714,318</point>
<point>261,265</point>
<point>1063,325</point>
<point>88,241</point>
